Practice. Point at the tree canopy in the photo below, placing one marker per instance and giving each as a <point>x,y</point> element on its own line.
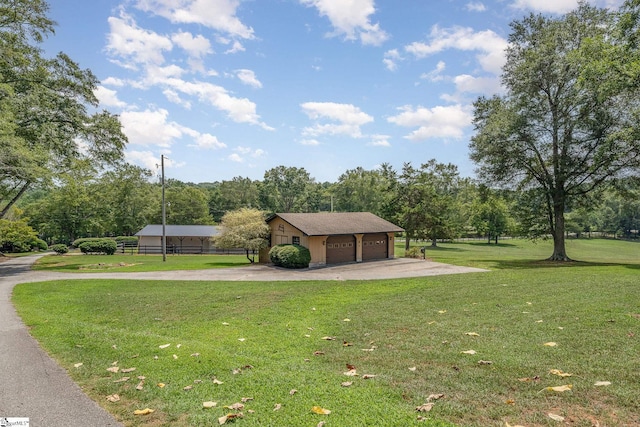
<point>559,131</point>
<point>48,115</point>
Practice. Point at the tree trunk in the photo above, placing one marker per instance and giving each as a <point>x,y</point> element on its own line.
<point>488,239</point>
<point>434,242</point>
<point>406,242</point>
<point>496,239</point>
<point>5,211</point>
<point>559,250</point>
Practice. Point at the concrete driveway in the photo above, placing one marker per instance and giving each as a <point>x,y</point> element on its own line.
<point>35,387</point>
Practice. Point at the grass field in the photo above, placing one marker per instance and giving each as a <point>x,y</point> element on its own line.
<point>136,263</point>
<point>263,340</point>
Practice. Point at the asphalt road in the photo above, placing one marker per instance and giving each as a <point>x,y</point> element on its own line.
<point>33,386</point>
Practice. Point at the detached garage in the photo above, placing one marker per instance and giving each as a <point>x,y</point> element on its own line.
<point>337,237</point>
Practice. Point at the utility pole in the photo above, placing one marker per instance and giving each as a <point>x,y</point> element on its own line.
<point>164,215</point>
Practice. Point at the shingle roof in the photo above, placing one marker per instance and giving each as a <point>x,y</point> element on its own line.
<point>334,223</point>
<point>179,230</point>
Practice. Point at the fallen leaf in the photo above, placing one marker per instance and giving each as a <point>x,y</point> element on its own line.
<point>559,373</point>
<point>435,397</point>
<point>241,339</point>
<point>179,345</point>
<point>140,385</point>
<point>602,383</point>
<point>121,380</point>
<point>320,410</point>
<point>550,344</point>
<point>224,419</point>
<point>346,344</point>
<point>113,369</point>
<point>246,399</point>
<point>175,357</point>
<point>209,404</point>
<point>346,384</point>
<point>369,349</point>
<point>113,398</point>
<point>442,311</point>
<point>292,392</point>
<point>195,355</point>
<point>225,324</point>
<point>413,369</point>
<point>350,366</point>
<point>485,362</point>
<point>307,336</point>
<point>351,373</point>
<point>135,356</point>
<point>161,385</point>
<point>197,381</point>
<point>164,345</point>
<point>141,377</point>
<point>556,417</point>
<point>346,320</point>
<point>77,365</point>
<point>536,378</point>
<point>328,338</point>
<point>468,352</point>
<point>425,407</point>
<point>127,370</point>
<point>509,425</point>
<point>236,406</point>
<point>432,322</point>
<point>145,411</point>
<point>277,407</point>
<point>187,388</point>
<point>368,376</point>
<point>539,321</point>
<point>560,388</point>
<point>320,424</point>
<point>472,334</point>
<point>217,381</point>
<point>318,353</point>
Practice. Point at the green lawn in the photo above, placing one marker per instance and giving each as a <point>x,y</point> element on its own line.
<point>259,340</point>
<point>130,263</point>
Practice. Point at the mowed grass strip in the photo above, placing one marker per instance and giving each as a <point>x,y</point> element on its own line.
<point>136,263</point>
<point>262,340</point>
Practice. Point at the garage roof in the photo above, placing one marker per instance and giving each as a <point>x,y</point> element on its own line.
<point>179,230</point>
<point>333,223</point>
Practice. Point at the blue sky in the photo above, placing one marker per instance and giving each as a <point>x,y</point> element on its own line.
<point>227,88</point>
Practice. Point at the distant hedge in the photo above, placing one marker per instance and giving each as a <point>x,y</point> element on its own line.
<point>127,240</point>
<point>60,248</point>
<point>290,256</point>
<point>99,246</point>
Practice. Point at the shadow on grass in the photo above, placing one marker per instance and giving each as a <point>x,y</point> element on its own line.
<point>546,264</point>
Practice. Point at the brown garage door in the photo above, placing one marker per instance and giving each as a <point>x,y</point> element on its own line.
<point>341,249</point>
<point>374,246</point>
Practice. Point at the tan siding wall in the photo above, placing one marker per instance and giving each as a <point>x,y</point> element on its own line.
<point>391,241</point>
<point>283,232</point>
<point>149,241</point>
<point>318,248</point>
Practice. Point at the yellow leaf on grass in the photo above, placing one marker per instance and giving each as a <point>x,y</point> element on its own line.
<point>113,369</point>
<point>224,419</point>
<point>77,365</point>
<point>346,384</point>
<point>277,406</point>
<point>328,338</point>
<point>113,398</point>
<point>127,370</point>
<point>217,381</point>
<point>425,407</point>
<point>602,383</point>
<point>145,411</point>
<point>140,385</point>
<point>236,406</point>
<point>161,385</point>
<point>351,373</point>
<point>560,388</point>
<point>442,311</point>
<point>292,392</point>
<point>209,404</point>
<point>550,344</point>
<point>164,345</point>
<point>468,352</point>
<point>556,417</point>
<point>472,334</point>
<point>559,373</point>
<point>346,320</point>
<point>320,410</point>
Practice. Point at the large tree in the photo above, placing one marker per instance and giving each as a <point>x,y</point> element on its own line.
<point>47,106</point>
<point>244,228</point>
<point>560,131</point>
<point>286,189</point>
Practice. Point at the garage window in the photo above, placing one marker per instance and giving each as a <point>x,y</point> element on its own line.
<point>295,240</point>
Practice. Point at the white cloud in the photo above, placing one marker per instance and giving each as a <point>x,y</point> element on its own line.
<point>196,47</point>
<point>479,85</point>
<point>391,58</point>
<point>108,97</point>
<point>349,118</point>
<point>351,18</point>
<point>219,15</point>
<point>146,159</point>
<point>241,153</point>
<point>310,142</point>
<point>476,6</point>
<point>138,45</point>
<point>150,128</point>
<point>437,122</point>
<point>490,45</point>
<point>379,141</point>
<point>207,141</point>
<point>248,77</point>
<point>435,75</point>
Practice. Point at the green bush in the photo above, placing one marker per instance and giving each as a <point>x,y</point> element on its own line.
<point>99,246</point>
<point>127,240</point>
<point>39,244</point>
<point>17,236</point>
<point>414,252</point>
<point>290,256</point>
<point>60,248</point>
